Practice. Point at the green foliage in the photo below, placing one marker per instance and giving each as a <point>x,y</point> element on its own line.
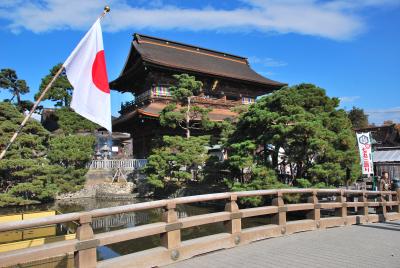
<point>37,167</point>
<point>303,183</point>
<point>316,136</point>
<point>176,163</point>
<point>31,141</point>
<point>358,118</point>
<point>227,128</point>
<point>260,178</point>
<point>173,117</point>
<point>70,122</point>
<point>7,200</point>
<point>61,90</point>
<point>186,87</point>
<point>71,150</point>
<point>9,81</point>
<point>301,121</point>
<point>183,113</point>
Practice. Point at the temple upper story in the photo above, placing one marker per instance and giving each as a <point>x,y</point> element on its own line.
<point>228,80</point>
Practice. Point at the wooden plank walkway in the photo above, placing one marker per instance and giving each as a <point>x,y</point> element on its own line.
<point>367,245</point>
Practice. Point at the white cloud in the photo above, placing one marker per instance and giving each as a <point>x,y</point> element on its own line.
<point>267,62</point>
<point>379,115</point>
<point>266,73</point>
<point>336,19</point>
<point>348,99</point>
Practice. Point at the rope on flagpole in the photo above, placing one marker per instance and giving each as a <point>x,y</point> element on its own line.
<point>21,126</point>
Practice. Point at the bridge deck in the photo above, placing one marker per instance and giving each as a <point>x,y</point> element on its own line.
<point>367,245</point>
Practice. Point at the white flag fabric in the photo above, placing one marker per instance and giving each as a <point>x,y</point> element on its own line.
<point>86,71</point>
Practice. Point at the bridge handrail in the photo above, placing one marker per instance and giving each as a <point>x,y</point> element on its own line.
<point>170,228</point>
<point>31,223</point>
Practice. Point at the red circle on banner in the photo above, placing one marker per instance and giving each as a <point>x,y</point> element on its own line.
<point>99,72</point>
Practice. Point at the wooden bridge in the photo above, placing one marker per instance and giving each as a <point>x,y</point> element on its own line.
<point>348,207</point>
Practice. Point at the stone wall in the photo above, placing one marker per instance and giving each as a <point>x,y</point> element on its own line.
<point>101,189</point>
<point>98,176</point>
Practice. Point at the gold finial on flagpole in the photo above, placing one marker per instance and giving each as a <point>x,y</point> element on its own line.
<point>105,11</point>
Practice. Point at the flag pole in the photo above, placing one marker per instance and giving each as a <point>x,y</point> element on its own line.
<point>21,126</point>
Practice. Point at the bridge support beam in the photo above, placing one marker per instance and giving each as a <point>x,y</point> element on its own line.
<point>314,214</point>
<point>85,254</point>
<point>171,239</point>
<point>363,211</point>
<point>381,210</point>
<point>342,211</point>
<point>397,207</point>
<point>280,217</point>
<point>234,226</point>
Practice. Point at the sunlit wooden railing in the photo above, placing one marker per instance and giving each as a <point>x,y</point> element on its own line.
<point>385,205</point>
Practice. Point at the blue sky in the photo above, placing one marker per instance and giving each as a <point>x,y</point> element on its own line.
<point>348,47</point>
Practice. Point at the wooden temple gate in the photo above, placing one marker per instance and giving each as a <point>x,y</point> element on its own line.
<point>172,249</point>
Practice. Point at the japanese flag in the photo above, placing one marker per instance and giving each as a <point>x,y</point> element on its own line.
<point>86,71</point>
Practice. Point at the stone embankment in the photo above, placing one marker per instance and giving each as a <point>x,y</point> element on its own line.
<point>103,190</point>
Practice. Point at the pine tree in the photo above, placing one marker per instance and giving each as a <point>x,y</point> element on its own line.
<point>9,81</point>
<point>39,166</point>
<point>61,90</point>
<point>183,113</point>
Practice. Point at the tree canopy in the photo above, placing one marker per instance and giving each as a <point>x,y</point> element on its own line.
<point>358,118</point>
<point>183,113</point>
<point>38,165</point>
<point>301,129</point>
<point>176,162</point>
<point>70,122</point>
<point>9,81</point>
<point>61,90</point>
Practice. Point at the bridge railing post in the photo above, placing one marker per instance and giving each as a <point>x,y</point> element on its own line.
<point>171,239</point>
<point>234,225</point>
<point>314,214</point>
<point>342,211</point>
<point>364,209</point>
<point>381,210</point>
<point>280,217</point>
<point>397,198</point>
<point>85,254</point>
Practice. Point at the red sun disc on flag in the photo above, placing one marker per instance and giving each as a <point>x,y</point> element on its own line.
<point>99,72</point>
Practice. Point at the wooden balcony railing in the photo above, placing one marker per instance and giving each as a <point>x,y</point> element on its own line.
<point>128,164</point>
<point>172,249</point>
<point>153,94</point>
<point>214,101</point>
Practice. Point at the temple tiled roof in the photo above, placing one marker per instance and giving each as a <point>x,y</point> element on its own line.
<point>384,136</point>
<point>183,57</point>
<point>154,109</point>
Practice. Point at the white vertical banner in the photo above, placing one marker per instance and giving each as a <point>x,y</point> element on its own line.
<point>365,148</point>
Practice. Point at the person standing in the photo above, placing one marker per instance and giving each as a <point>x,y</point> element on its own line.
<point>385,183</point>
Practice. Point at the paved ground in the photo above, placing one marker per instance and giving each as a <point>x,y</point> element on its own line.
<point>369,245</point>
